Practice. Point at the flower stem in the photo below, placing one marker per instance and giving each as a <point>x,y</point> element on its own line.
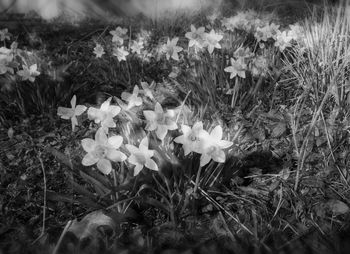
<point>197,180</point>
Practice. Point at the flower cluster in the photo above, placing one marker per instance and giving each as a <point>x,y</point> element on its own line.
<point>12,59</point>
<point>106,148</point>
<point>199,39</point>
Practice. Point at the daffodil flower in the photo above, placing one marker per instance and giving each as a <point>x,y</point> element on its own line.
<point>4,34</point>
<point>132,99</point>
<point>105,114</point>
<point>71,113</point>
<point>237,68</point>
<point>193,138</point>
<point>118,35</point>
<point>99,50</point>
<point>6,57</point>
<point>120,53</point>
<point>29,73</point>
<point>102,151</point>
<point>195,37</point>
<point>213,147</point>
<point>283,40</point>
<point>136,47</point>
<point>141,156</point>
<point>160,121</point>
<point>212,40</point>
<point>171,50</point>
<point>147,89</point>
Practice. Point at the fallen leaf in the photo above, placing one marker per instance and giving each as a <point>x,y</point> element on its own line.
<point>89,226</point>
<point>10,133</point>
<point>337,207</point>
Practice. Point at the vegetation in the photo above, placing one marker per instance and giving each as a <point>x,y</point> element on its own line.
<point>224,132</point>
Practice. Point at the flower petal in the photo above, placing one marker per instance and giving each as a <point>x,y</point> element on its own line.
<point>216,133</point>
<point>65,113</point>
<point>223,144</point>
<point>104,166</point>
<point>94,114</point>
<point>89,159</point>
<point>133,160</point>
<point>73,101</point>
<point>150,115</point>
<point>101,137</point>
<point>132,149</point>
<point>88,144</point>
<point>180,139</point>
<point>138,101</point>
<point>205,159</point>
<point>219,156</point>
<point>108,122</point>
<point>79,110</point>
<point>138,169</point>
<point>105,105</point>
<point>136,90</point>
<point>158,108</point>
<point>114,110</point>
<point>161,131</point>
<point>185,129</point>
<point>171,125</point>
<point>144,142</point>
<point>115,141</point>
<point>115,155</point>
<point>151,164</point>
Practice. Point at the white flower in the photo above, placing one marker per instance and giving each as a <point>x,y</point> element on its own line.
<point>196,37</point>
<point>99,50</point>
<point>71,113</point>
<point>118,35</point>
<point>141,156</point>
<point>212,40</point>
<point>105,114</point>
<point>237,68</point>
<point>4,34</point>
<point>102,151</point>
<point>147,89</point>
<point>266,32</point>
<point>213,147</point>
<point>120,53</point>
<point>160,121</point>
<point>193,138</point>
<point>283,41</point>
<point>132,99</point>
<point>171,50</point>
<point>136,47</point>
<point>29,73</point>
<point>6,56</point>
<point>296,32</point>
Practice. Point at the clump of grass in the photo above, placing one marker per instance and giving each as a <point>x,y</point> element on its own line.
<point>320,67</point>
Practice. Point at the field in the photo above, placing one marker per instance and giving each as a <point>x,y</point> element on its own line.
<point>222,131</point>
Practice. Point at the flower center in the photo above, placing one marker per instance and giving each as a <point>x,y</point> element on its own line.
<point>141,159</point>
<point>192,137</point>
<point>100,151</point>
